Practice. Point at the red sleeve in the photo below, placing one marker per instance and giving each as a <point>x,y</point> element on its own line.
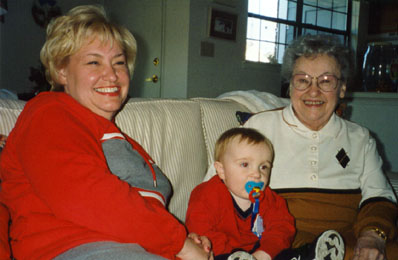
<point>201,218</point>
<point>63,160</point>
<point>4,244</point>
<point>278,224</point>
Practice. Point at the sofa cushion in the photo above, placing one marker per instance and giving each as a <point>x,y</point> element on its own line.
<point>171,132</point>
<point>9,112</point>
<point>218,115</point>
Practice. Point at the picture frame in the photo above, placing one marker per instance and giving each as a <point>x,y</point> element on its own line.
<point>223,24</point>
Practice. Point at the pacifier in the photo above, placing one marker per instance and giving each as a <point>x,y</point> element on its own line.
<point>255,190</point>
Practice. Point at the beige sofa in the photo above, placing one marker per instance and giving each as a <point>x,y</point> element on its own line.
<point>178,133</point>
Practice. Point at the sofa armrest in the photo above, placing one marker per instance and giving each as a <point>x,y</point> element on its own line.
<point>4,242</point>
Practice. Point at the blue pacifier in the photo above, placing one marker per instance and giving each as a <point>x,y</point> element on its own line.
<point>254,189</point>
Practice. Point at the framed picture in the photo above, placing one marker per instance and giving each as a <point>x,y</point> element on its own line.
<point>223,25</point>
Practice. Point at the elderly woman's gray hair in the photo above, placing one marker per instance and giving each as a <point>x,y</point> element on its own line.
<point>312,45</point>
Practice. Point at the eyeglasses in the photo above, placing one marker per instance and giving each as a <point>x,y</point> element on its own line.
<point>325,82</point>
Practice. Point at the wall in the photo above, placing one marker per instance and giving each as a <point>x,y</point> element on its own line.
<point>185,72</point>
<point>211,76</point>
<point>176,49</point>
<point>21,41</point>
<point>1,47</point>
<point>378,113</point>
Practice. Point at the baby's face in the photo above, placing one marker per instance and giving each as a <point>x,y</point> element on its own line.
<point>243,162</point>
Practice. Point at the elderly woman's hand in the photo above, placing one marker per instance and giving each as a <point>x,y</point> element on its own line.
<point>369,247</point>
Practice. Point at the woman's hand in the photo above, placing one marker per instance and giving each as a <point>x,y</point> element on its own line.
<point>196,248</point>
<point>203,241</point>
<point>369,247</point>
<point>261,255</point>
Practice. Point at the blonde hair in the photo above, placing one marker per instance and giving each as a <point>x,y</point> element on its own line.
<point>249,135</point>
<point>68,33</point>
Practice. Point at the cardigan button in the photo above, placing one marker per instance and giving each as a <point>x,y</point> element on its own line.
<point>313,163</point>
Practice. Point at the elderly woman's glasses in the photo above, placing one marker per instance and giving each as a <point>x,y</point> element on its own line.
<point>325,82</point>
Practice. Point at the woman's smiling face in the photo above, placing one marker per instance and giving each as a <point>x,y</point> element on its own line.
<point>312,106</point>
<point>97,77</point>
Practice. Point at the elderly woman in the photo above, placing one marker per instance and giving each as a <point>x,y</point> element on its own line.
<point>327,168</point>
<point>64,164</point>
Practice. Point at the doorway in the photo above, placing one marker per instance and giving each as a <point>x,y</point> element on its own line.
<point>145,20</point>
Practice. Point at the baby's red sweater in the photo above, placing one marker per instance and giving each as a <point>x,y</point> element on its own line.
<point>211,212</point>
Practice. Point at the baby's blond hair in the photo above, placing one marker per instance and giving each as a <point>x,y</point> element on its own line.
<point>249,135</point>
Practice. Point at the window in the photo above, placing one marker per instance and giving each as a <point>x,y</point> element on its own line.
<point>273,24</point>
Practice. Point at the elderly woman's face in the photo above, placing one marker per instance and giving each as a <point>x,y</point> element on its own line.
<point>313,106</point>
<point>97,77</point>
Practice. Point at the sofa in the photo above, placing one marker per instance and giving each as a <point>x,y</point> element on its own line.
<point>179,134</point>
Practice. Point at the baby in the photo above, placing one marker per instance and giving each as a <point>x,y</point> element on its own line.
<point>243,218</point>
<point>236,209</point>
